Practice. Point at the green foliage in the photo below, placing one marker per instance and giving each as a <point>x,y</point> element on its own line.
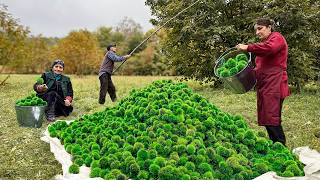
<point>199,35</point>
<point>278,146</point>
<point>74,169</point>
<point>205,167</point>
<point>287,174</point>
<point>191,149</point>
<point>226,101</point>
<point>143,175</point>
<point>190,166</point>
<point>33,54</point>
<point>297,22</point>
<point>185,177</point>
<point>168,172</point>
<point>88,161</point>
<point>149,59</point>
<point>95,172</point>
<point>212,144</point>
<point>241,57</point>
<point>294,168</point>
<point>12,37</point>
<point>38,57</point>
<point>233,65</point>
<point>79,161</point>
<point>154,169</point>
<point>80,51</point>
<point>225,73</point>
<point>76,149</point>
<point>262,145</point>
<point>104,35</point>
<point>115,174</point>
<point>261,168</point>
<point>160,161</point>
<point>39,80</point>
<point>143,154</point>
<point>31,100</point>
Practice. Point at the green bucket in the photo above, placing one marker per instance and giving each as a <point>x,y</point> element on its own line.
<point>30,116</point>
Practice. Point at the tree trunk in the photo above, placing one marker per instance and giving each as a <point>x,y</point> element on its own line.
<point>298,86</point>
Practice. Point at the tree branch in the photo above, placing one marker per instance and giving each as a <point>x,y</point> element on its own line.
<point>4,81</point>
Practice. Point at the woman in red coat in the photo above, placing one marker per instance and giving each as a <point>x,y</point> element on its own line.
<point>272,80</point>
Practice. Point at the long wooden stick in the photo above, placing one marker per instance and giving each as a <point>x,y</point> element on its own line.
<point>154,33</point>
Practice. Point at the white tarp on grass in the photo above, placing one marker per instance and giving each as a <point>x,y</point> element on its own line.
<point>307,156</point>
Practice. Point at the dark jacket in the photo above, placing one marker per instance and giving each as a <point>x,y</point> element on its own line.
<point>63,87</point>
<point>108,62</point>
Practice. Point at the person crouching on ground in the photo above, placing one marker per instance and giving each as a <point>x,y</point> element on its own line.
<point>105,72</point>
<point>56,91</point>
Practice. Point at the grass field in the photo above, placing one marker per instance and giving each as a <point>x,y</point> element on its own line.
<point>24,156</point>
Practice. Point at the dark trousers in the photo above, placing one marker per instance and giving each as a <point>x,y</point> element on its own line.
<point>276,133</point>
<point>106,85</point>
<point>56,106</point>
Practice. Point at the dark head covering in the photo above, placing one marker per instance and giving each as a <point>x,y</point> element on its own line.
<point>111,45</point>
<point>57,61</point>
<point>265,22</point>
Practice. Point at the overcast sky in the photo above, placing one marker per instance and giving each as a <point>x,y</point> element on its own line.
<point>58,17</point>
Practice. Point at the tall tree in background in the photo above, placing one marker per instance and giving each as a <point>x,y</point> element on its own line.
<point>133,34</point>
<point>12,36</point>
<point>12,39</point>
<point>199,35</point>
<point>128,26</point>
<point>81,52</point>
<point>38,57</point>
<point>299,22</point>
<point>127,35</point>
<point>149,61</point>
<point>104,36</point>
<point>160,63</point>
<point>107,35</point>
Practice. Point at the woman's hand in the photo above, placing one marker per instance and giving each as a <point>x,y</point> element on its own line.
<point>41,88</point>
<point>44,87</point>
<point>67,102</point>
<point>242,47</point>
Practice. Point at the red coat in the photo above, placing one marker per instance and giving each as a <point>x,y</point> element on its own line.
<point>272,80</point>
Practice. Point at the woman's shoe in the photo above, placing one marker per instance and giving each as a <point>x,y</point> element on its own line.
<point>51,118</point>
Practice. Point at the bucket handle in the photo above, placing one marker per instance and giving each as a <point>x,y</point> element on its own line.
<point>224,53</point>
